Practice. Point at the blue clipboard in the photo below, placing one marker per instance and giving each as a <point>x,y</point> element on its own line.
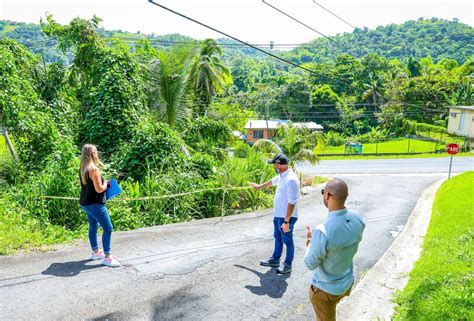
<point>113,190</point>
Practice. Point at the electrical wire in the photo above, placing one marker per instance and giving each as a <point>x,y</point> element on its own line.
<point>300,22</point>
<point>249,45</point>
<point>335,15</point>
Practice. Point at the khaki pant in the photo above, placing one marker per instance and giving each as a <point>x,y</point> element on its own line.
<point>324,304</point>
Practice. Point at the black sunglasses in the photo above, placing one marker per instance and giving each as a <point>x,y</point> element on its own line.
<point>322,192</point>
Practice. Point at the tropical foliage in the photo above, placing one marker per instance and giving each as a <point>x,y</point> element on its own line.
<point>165,117</point>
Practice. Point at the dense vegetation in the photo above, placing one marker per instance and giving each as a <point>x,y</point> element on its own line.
<point>436,38</point>
<point>163,117</point>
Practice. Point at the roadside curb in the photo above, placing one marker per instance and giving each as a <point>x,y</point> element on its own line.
<point>372,298</point>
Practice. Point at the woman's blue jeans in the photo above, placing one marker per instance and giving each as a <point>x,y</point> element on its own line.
<point>97,214</point>
<point>283,238</point>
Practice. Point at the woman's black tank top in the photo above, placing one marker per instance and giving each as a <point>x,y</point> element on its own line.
<point>88,193</point>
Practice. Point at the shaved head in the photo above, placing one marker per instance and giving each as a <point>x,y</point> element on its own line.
<point>338,189</point>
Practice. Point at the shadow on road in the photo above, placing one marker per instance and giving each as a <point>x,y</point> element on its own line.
<point>68,269</point>
<point>177,306</point>
<point>271,283</point>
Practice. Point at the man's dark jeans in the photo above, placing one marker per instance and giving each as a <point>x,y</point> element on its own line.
<point>283,238</point>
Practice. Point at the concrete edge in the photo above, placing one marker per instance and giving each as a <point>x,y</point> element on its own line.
<point>372,297</point>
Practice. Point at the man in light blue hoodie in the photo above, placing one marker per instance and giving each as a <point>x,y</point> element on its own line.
<point>330,249</point>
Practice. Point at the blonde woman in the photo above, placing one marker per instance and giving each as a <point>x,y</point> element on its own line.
<point>92,201</point>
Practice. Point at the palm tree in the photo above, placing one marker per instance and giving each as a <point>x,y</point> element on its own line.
<point>298,143</point>
<point>374,90</point>
<point>208,75</point>
<point>169,78</point>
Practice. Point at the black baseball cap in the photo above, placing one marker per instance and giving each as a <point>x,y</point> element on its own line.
<point>279,159</point>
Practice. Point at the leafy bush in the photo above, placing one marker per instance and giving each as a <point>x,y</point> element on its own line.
<point>152,146</point>
<point>11,172</point>
<point>376,135</point>
<point>203,164</point>
<point>108,82</point>
<point>58,178</point>
<point>241,149</point>
<point>21,109</point>
<point>239,172</point>
<point>334,138</point>
<point>206,134</point>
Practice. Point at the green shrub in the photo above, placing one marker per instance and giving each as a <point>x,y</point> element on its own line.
<point>241,149</point>
<point>335,139</point>
<point>11,172</point>
<point>239,172</point>
<point>152,146</point>
<point>206,134</point>
<point>204,164</point>
<point>21,109</point>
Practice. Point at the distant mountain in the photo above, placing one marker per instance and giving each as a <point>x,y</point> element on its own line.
<point>437,38</point>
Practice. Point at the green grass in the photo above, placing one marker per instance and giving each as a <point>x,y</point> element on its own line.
<point>19,231</point>
<point>399,145</point>
<point>441,283</point>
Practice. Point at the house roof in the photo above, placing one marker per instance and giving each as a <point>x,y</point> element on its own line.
<point>273,124</point>
<point>463,107</point>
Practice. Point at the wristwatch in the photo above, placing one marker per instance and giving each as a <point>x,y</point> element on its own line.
<point>286,222</point>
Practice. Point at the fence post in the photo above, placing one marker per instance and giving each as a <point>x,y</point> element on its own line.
<point>223,203</point>
<point>42,199</point>
<point>409,140</point>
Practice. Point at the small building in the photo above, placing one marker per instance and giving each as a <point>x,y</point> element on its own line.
<point>461,122</point>
<point>266,129</point>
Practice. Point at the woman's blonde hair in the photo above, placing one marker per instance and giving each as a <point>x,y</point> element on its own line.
<point>87,161</point>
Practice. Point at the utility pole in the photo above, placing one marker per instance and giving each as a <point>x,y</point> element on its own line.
<point>266,116</point>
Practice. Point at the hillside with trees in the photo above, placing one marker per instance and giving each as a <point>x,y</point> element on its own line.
<point>162,113</point>
<point>436,38</point>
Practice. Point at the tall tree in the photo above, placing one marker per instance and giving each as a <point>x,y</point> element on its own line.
<point>169,76</point>
<point>108,82</point>
<point>374,90</point>
<point>298,143</point>
<point>208,75</point>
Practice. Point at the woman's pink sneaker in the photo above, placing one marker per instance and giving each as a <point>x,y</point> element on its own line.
<point>99,255</point>
<point>110,261</point>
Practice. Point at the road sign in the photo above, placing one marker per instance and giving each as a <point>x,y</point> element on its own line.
<point>453,149</point>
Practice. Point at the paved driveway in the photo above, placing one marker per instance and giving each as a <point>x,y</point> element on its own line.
<point>201,270</point>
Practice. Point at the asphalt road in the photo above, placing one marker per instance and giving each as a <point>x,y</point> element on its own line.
<point>391,166</point>
<point>201,270</point>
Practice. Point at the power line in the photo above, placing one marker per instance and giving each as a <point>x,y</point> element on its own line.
<point>243,42</point>
<point>335,15</point>
<point>53,42</point>
<point>300,22</point>
<point>331,116</point>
